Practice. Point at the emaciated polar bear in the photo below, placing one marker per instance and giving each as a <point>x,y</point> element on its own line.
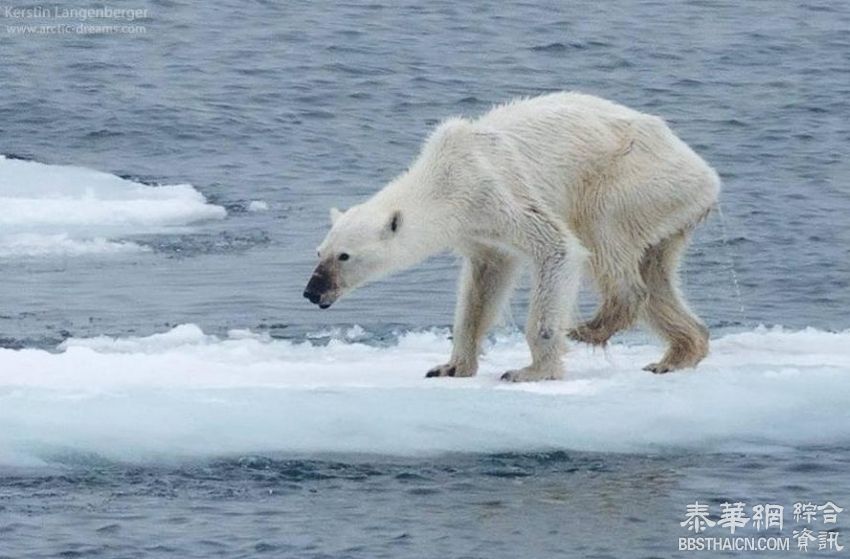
<point>560,181</point>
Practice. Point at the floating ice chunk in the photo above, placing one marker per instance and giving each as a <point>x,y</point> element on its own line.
<point>258,206</point>
<point>187,393</point>
<point>62,209</point>
<point>60,244</point>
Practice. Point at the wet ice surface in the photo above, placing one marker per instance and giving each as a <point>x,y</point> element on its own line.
<point>186,444</point>
<point>552,504</point>
<point>187,393</point>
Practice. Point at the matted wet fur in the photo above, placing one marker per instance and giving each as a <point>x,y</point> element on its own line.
<point>559,183</point>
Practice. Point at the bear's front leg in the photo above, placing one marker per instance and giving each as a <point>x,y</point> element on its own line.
<point>556,283</point>
<point>485,283</point>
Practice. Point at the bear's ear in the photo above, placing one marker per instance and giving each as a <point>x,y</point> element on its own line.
<point>335,215</point>
<point>395,222</point>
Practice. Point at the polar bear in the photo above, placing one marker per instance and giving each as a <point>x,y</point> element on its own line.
<point>562,182</point>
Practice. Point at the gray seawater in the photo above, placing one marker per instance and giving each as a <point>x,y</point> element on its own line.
<point>311,105</point>
<point>554,504</point>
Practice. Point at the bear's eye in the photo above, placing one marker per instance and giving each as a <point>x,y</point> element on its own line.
<point>344,256</point>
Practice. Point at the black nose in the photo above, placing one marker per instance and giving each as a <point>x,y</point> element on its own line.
<point>312,296</point>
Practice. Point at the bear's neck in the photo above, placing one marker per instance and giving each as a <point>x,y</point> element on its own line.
<point>430,226</point>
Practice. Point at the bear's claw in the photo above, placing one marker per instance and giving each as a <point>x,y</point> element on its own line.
<point>530,374</point>
<point>441,371</point>
<point>658,368</point>
<point>449,370</point>
<point>590,335</point>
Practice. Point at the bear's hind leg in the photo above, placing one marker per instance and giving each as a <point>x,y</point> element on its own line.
<point>486,280</point>
<point>666,312</point>
<point>617,312</point>
<point>623,294</point>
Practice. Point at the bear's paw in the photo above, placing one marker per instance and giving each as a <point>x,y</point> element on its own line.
<point>532,373</point>
<point>451,370</point>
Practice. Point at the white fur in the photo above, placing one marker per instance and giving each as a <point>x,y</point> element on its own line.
<point>556,182</point>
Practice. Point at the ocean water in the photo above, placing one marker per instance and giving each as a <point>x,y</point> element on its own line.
<point>165,391</point>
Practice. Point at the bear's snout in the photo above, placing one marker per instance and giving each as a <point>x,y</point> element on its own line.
<point>320,288</point>
<point>312,296</point>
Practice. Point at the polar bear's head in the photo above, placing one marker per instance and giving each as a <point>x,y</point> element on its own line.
<point>418,214</point>
<point>364,244</point>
